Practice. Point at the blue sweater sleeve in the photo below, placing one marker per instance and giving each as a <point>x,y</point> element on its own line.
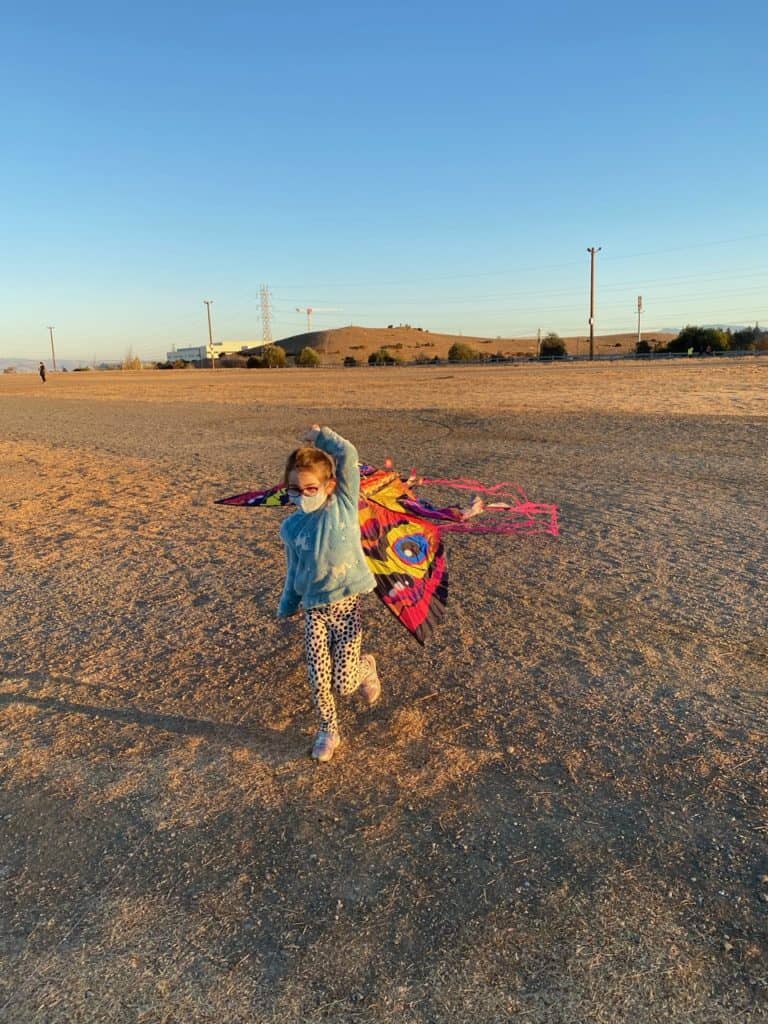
<point>346,458</point>
<point>289,599</point>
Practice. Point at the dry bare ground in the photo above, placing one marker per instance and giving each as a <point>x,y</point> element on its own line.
<point>555,815</point>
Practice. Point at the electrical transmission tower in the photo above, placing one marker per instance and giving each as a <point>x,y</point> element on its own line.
<point>266,313</point>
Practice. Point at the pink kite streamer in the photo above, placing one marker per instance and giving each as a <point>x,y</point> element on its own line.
<point>518,515</point>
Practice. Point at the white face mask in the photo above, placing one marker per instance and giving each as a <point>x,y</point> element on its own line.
<point>309,503</point>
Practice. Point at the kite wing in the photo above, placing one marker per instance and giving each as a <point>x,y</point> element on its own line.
<point>407,558</point>
<point>273,497</point>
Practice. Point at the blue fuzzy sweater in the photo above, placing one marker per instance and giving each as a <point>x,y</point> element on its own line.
<point>325,560</point>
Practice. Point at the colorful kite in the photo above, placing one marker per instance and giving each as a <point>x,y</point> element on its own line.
<point>402,534</point>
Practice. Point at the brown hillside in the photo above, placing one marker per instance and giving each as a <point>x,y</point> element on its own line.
<point>412,344</point>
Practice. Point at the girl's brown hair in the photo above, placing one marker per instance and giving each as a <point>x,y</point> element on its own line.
<point>308,457</point>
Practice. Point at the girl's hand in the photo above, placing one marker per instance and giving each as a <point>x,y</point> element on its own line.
<point>311,434</point>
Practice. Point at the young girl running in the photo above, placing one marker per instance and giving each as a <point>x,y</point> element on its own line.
<point>326,573</point>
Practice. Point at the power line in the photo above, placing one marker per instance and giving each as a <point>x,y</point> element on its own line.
<point>432,307</point>
<point>511,271</point>
<point>685,248</point>
<point>473,305</point>
<point>425,301</point>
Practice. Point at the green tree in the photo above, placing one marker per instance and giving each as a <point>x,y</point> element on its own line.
<point>700,339</point>
<point>746,339</point>
<point>307,357</point>
<point>383,357</point>
<point>460,352</point>
<point>552,346</point>
<point>274,356</point>
<point>643,348</point>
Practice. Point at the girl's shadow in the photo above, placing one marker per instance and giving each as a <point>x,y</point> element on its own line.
<point>274,747</point>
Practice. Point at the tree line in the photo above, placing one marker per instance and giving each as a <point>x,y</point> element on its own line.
<point>691,340</point>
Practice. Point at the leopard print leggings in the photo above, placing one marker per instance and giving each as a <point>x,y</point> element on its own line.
<point>333,636</point>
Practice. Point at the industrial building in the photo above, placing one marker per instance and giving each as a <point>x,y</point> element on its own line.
<point>199,353</point>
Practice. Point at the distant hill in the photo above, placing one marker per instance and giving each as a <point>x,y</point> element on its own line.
<point>412,344</point>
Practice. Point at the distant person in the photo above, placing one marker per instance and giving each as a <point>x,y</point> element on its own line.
<point>326,574</point>
<point>41,371</point>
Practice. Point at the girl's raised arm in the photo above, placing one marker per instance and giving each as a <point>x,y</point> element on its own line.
<point>344,455</point>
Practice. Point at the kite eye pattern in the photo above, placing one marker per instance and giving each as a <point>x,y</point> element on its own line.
<point>413,549</point>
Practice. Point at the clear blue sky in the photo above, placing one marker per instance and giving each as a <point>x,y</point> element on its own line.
<point>445,165</point>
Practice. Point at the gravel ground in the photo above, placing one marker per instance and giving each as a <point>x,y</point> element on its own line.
<point>557,812</point>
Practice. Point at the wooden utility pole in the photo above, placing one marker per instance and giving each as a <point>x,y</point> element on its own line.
<point>592,253</point>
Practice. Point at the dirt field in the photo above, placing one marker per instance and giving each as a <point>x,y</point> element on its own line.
<point>555,815</point>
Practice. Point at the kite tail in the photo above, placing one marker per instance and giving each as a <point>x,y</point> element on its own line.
<point>518,515</point>
<point>529,518</point>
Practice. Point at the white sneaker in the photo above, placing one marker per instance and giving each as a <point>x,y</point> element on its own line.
<point>325,745</point>
<point>370,684</point>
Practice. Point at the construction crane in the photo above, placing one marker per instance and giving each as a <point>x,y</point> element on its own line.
<point>309,310</point>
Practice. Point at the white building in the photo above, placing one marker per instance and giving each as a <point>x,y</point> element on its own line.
<point>198,353</point>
